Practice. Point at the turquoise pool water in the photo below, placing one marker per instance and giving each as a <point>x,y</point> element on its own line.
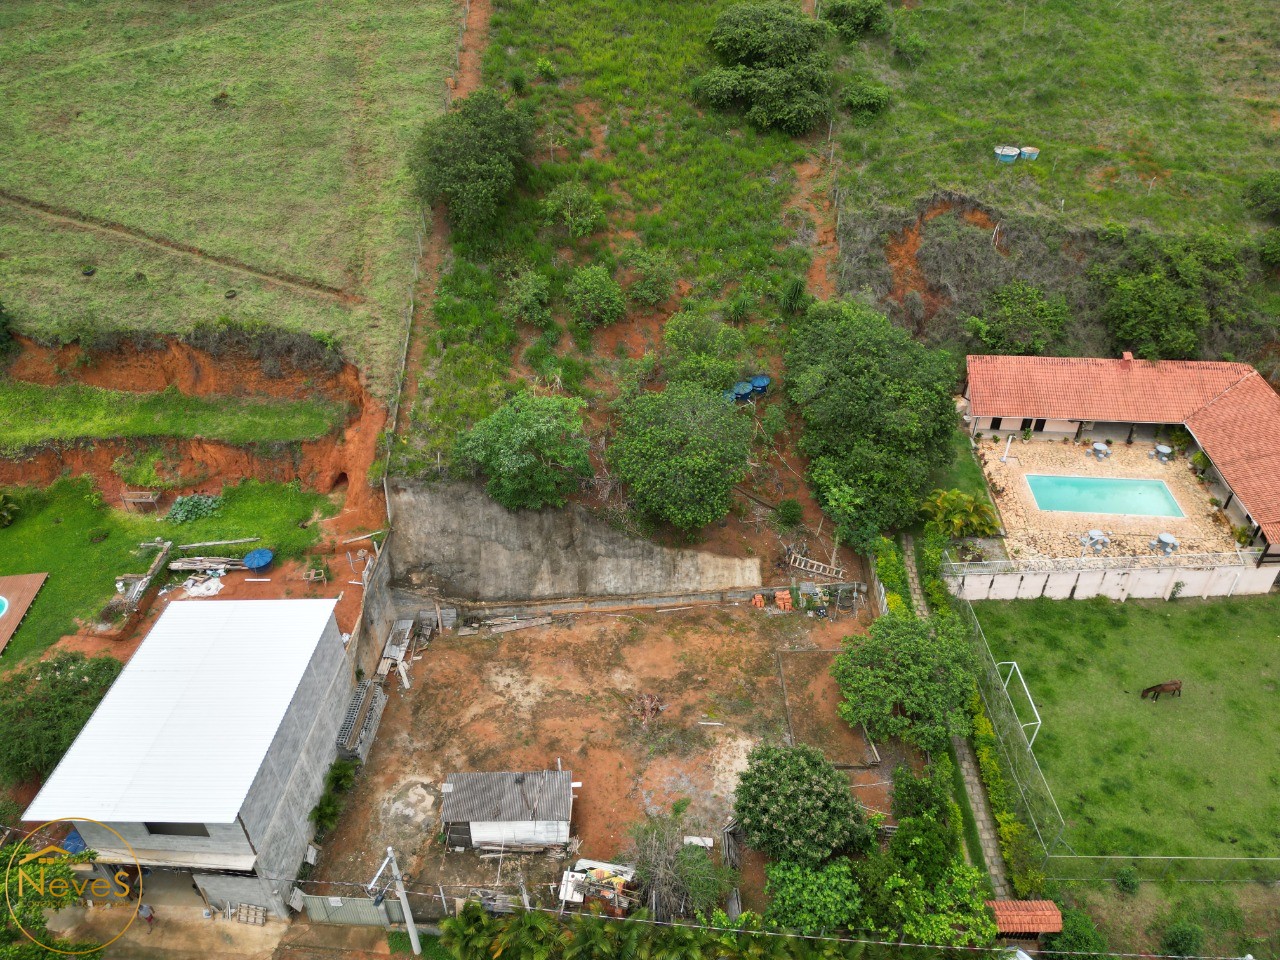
<point>4,606</point>
<point>1148,498</point>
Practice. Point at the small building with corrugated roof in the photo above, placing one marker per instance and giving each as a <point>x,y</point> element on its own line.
<point>507,810</point>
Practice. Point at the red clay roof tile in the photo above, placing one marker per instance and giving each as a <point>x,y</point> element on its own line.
<point>1026,916</point>
<point>1229,408</point>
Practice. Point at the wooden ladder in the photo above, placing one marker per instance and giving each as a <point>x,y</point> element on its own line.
<point>817,567</point>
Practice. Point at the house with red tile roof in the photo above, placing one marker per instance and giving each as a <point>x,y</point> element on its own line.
<point>1231,412</point>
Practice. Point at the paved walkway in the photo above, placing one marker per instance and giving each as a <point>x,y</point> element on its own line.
<point>964,754</point>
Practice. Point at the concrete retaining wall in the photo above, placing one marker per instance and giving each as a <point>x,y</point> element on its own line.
<point>451,535</point>
<point>1139,583</point>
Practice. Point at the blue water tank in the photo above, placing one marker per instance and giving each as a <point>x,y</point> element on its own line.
<point>760,383</point>
<point>258,561</point>
<point>742,390</point>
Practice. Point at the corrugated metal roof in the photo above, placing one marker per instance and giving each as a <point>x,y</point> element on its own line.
<point>489,797</point>
<point>181,734</point>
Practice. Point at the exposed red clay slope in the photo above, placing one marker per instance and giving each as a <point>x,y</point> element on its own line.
<point>812,198</point>
<point>322,464</point>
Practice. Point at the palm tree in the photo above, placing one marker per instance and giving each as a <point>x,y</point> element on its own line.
<point>530,935</point>
<point>470,934</point>
<point>8,510</point>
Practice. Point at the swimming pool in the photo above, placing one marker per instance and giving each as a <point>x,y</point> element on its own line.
<point>1149,498</point>
<point>4,606</point>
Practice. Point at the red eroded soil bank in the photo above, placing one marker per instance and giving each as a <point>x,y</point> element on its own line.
<point>341,458</point>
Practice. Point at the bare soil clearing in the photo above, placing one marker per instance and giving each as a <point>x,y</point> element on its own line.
<point>522,700</point>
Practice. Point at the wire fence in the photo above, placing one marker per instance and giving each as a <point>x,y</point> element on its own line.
<point>1038,808</point>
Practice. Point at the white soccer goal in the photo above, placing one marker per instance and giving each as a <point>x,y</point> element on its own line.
<point>1007,677</point>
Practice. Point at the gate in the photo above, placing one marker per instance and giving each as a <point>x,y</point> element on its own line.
<point>353,911</point>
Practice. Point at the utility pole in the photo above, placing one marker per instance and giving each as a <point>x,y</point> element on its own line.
<point>400,892</point>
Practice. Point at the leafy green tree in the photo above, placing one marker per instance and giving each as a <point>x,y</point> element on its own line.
<point>1019,318</point>
<point>794,806</point>
<point>572,205</point>
<point>960,514</point>
<point>528,294</point>
<point>1263,194</point>
<point>853,18</point>
<point>470,933</point>
<point>774,66</point>
<point>532,449</point>
<point>878,415</point>
<point>681,451</point>
<point>812,899</point>
<point>42,708</point>
<point>908,678</point>
<point>26,906</point>
<point>472,157</point>
<point>1268,253</point>
<point>655,274</point>
<point>1164,296</point>
<point>594,296</point>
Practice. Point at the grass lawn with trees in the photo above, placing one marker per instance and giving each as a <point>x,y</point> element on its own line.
<point>273,135</point>
<point>1189,776</point>
<point>54,532</point>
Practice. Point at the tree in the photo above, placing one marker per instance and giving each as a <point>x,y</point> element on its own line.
<point>572,205</point>
<point>1079,935</point>
<point>812,900</point>
<point>878,415</point>
<point>1019,318</point>
<point>655,274</point>
<point>27,905</point>
<point>594,296</point>
<point>794,806</point>
<point>908,678</point>
<point>42,708</point>
<point>532,449</point>
<point>701,349</point>
<point>471,158</point>
<point>960,514</point>
<point>679,879</point>
<point>774,66</point>
<point>1183,938</point>
<point>681,451</point>
<point>528,294</point>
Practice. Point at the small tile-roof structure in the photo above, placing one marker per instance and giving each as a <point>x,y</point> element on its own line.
<point>1229,408</point>
<point>1021,917</point>
<point>507,797</point>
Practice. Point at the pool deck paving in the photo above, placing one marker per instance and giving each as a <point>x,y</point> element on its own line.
<point>20,591</point>
<point>1033,533</point>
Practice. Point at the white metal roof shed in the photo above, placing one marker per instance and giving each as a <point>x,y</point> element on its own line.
<point>182,732</point>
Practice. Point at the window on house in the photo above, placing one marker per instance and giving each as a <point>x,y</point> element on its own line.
<point>177,829</point>
<point>995,423</point>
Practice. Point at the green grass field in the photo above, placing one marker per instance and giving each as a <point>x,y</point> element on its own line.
<point>38,415</point>
<point>1189,776</point>
<point>1114,95</point>
<point>54,530</point>
<point>274,135</point>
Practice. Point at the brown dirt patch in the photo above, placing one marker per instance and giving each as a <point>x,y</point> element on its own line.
<point>588,112</point>
<point>813,698</point>
<point>474,39</point>
<point>814,200</point>
<point>524,699</point>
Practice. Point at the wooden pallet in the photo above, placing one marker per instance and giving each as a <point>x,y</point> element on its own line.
<point>251,913</point>
<point>817,567</point>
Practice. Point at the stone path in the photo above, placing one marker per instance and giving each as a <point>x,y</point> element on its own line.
<point>964,754</point>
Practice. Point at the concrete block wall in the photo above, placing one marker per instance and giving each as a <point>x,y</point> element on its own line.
<point>276,811</point>
<point>224,838</point>
<point>1150,583</point>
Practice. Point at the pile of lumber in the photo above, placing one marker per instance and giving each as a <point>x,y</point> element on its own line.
<point>207,563</point>
<point>646,707</point>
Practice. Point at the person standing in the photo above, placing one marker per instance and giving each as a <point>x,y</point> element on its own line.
<point>149,915</point>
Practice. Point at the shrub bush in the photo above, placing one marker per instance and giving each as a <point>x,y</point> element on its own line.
<point>1079,935</point>
<point>572,206</point>
<point>794,806</point>
<point>1268,253</point>
<point>528,294</point>
<point>1127,880</point>
<point>1263,194</point>
<point>471,159</point>
<point>812,900</point>
<point>789,514</point>
<point>337,784</point>
<point>865,97</point>
<point>1183,938</point>
<point>909,45</point>
<point>960,514</point>
<point>595,297</point>
<point>1020,319</point>
<point>655,275</point>
<point>852,18</point>
<point>701,349</point>
<point>196,506</point>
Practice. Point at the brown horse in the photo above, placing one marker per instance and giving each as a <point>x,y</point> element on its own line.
<point>1173,687</point>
